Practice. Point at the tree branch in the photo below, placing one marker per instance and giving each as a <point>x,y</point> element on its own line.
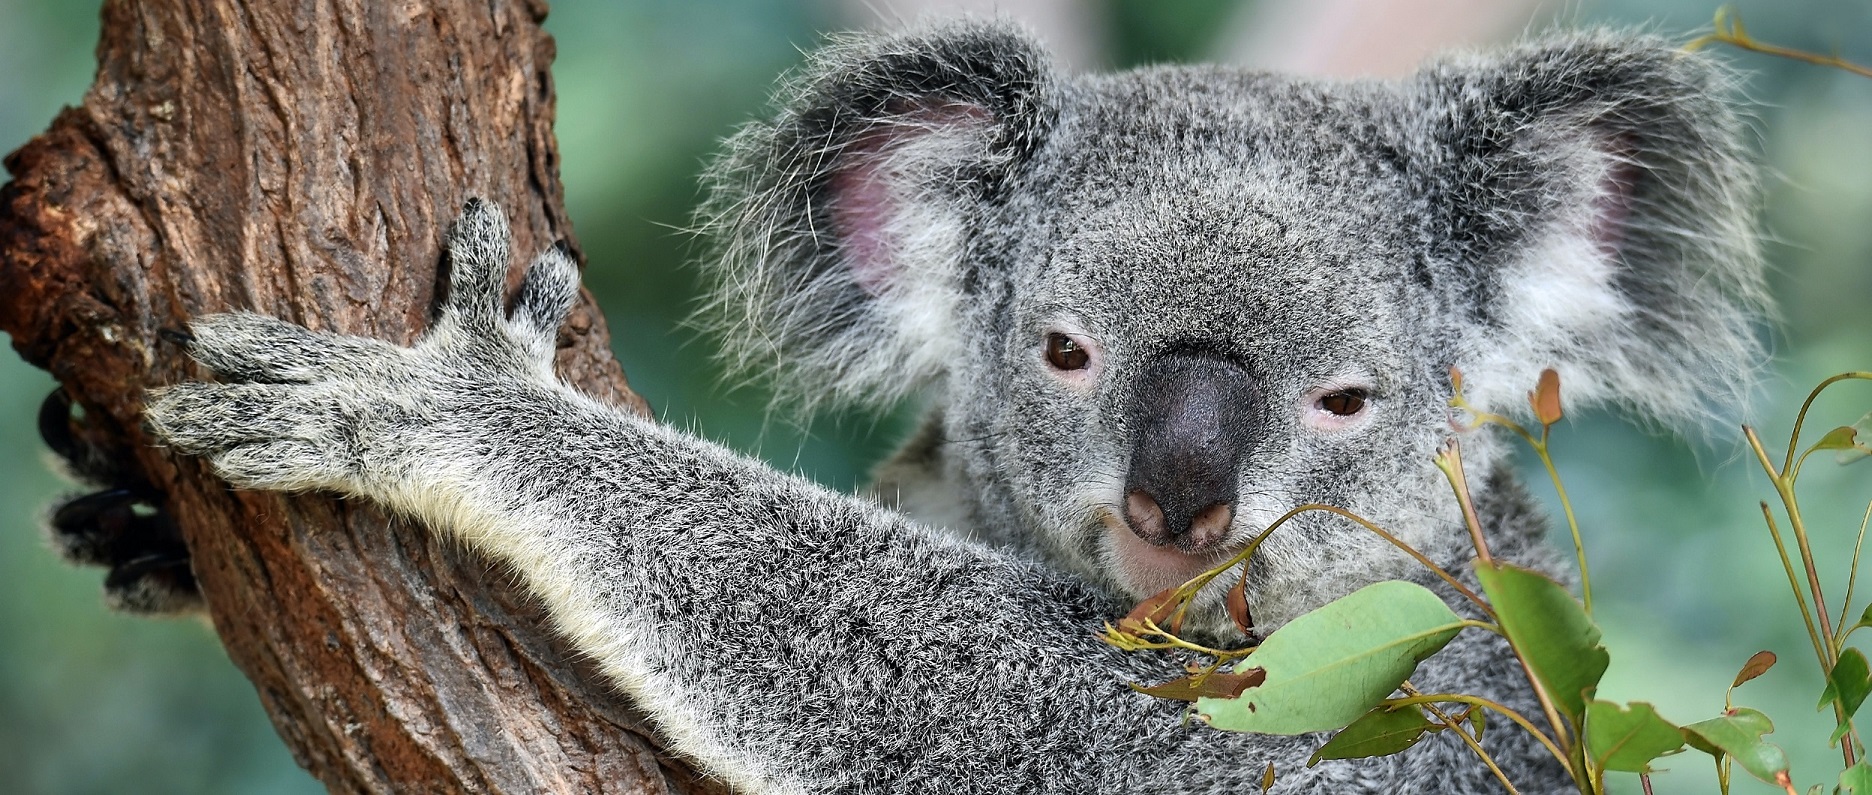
<point>302,160</point>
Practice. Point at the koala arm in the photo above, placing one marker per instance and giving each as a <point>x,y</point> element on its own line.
<point>788,638</point>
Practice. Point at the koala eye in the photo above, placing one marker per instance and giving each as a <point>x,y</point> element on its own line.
<point>1065,354</point>
<point>1343,403</point>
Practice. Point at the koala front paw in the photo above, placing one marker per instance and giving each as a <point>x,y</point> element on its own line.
<point>301,409</point>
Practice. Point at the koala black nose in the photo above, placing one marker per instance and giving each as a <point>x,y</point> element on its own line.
<point>1194,422</point>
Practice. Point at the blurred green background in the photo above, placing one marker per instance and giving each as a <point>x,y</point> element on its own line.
<point>1688,585</point>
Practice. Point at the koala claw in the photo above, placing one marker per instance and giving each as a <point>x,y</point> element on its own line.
<point>248,348</point>
<point>267,436</point>
<point>157,583</point>
<point>121,530</point>
<point>300,409</point>
<point>120,527</point>
<point>478,256</point>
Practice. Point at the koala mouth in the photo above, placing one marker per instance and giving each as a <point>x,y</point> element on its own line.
<point>1145,569</point>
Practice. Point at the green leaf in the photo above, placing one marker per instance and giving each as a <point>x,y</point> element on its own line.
<point>1848,683</point>
<point>1865,620</point>
<point>1328,667</point>
<point>1550,629</point>
<point>1856,780</point>
<point>1738,735</point>
<point>1381,732</point>
<point>1840,438</point>
<point>1627,740</point>
<point>1854,449</point>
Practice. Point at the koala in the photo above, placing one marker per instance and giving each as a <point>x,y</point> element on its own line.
<point>1147,313</point>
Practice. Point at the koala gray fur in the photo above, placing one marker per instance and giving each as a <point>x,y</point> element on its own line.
<point>929,214</point>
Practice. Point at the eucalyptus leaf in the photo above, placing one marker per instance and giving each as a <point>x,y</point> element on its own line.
<point>1190,688</point>
<point>1328,667</point>
<point>1545,399</point>
<point>1551,630</point>
<point>1865,620</point>
<point>1625,739</point>
<point>1757,664</point>
<point>1738,734</point>
<point>1381,732</point>
<point>1857,449</point>
<point>1840,438</point>
<point>1856,780</point>
<point>1848,683</point>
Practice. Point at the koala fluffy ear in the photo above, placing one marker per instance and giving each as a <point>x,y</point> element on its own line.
<point>1592,201</point>
<point>841,230</point>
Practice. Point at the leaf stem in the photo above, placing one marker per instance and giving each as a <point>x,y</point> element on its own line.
<point>1729,31</point>
<point>1539,445</point>
<point>1439,571</point>
<point>1132,641</point>
<point>1443,574</point>
<point>1783,480</point>
<point>1455,725</point>
<point>1852,580</point>
<point>1566,506</point>
<point>1785,489</point>
<point>1498,707</point>
<point>1799,419</point>
<point>1451,463</point>
<point>1787,565</point>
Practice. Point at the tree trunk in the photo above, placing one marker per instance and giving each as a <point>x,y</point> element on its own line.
<point>302,159</point>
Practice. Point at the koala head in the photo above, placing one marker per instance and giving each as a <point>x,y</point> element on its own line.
<point>1155,310</point>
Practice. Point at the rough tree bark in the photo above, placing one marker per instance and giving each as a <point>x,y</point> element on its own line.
<point>302,159</point>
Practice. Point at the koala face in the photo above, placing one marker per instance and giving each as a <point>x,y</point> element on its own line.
<point>1207,334</point>
<point>1156,310</point>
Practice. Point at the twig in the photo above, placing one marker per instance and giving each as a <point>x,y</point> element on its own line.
<point>1801,418</point>
<point>1566,507</point>
<point>1502,709</point>
<point>1729,31</point>
<point>1852,579</point>
<point>1787,565</point>
<point>1475,745</point>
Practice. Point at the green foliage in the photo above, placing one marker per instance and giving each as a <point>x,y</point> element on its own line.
<point>1865,620</point>
<point>1341,665</point>
<point>1846,687</point>
<point>1328,667</point>
<point>1381,732</point>
<point>1856,780</point>
<point>1738,735</point>
<point>1847,441</point>
<point>1628,737</point>
<point>1550,631</point>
